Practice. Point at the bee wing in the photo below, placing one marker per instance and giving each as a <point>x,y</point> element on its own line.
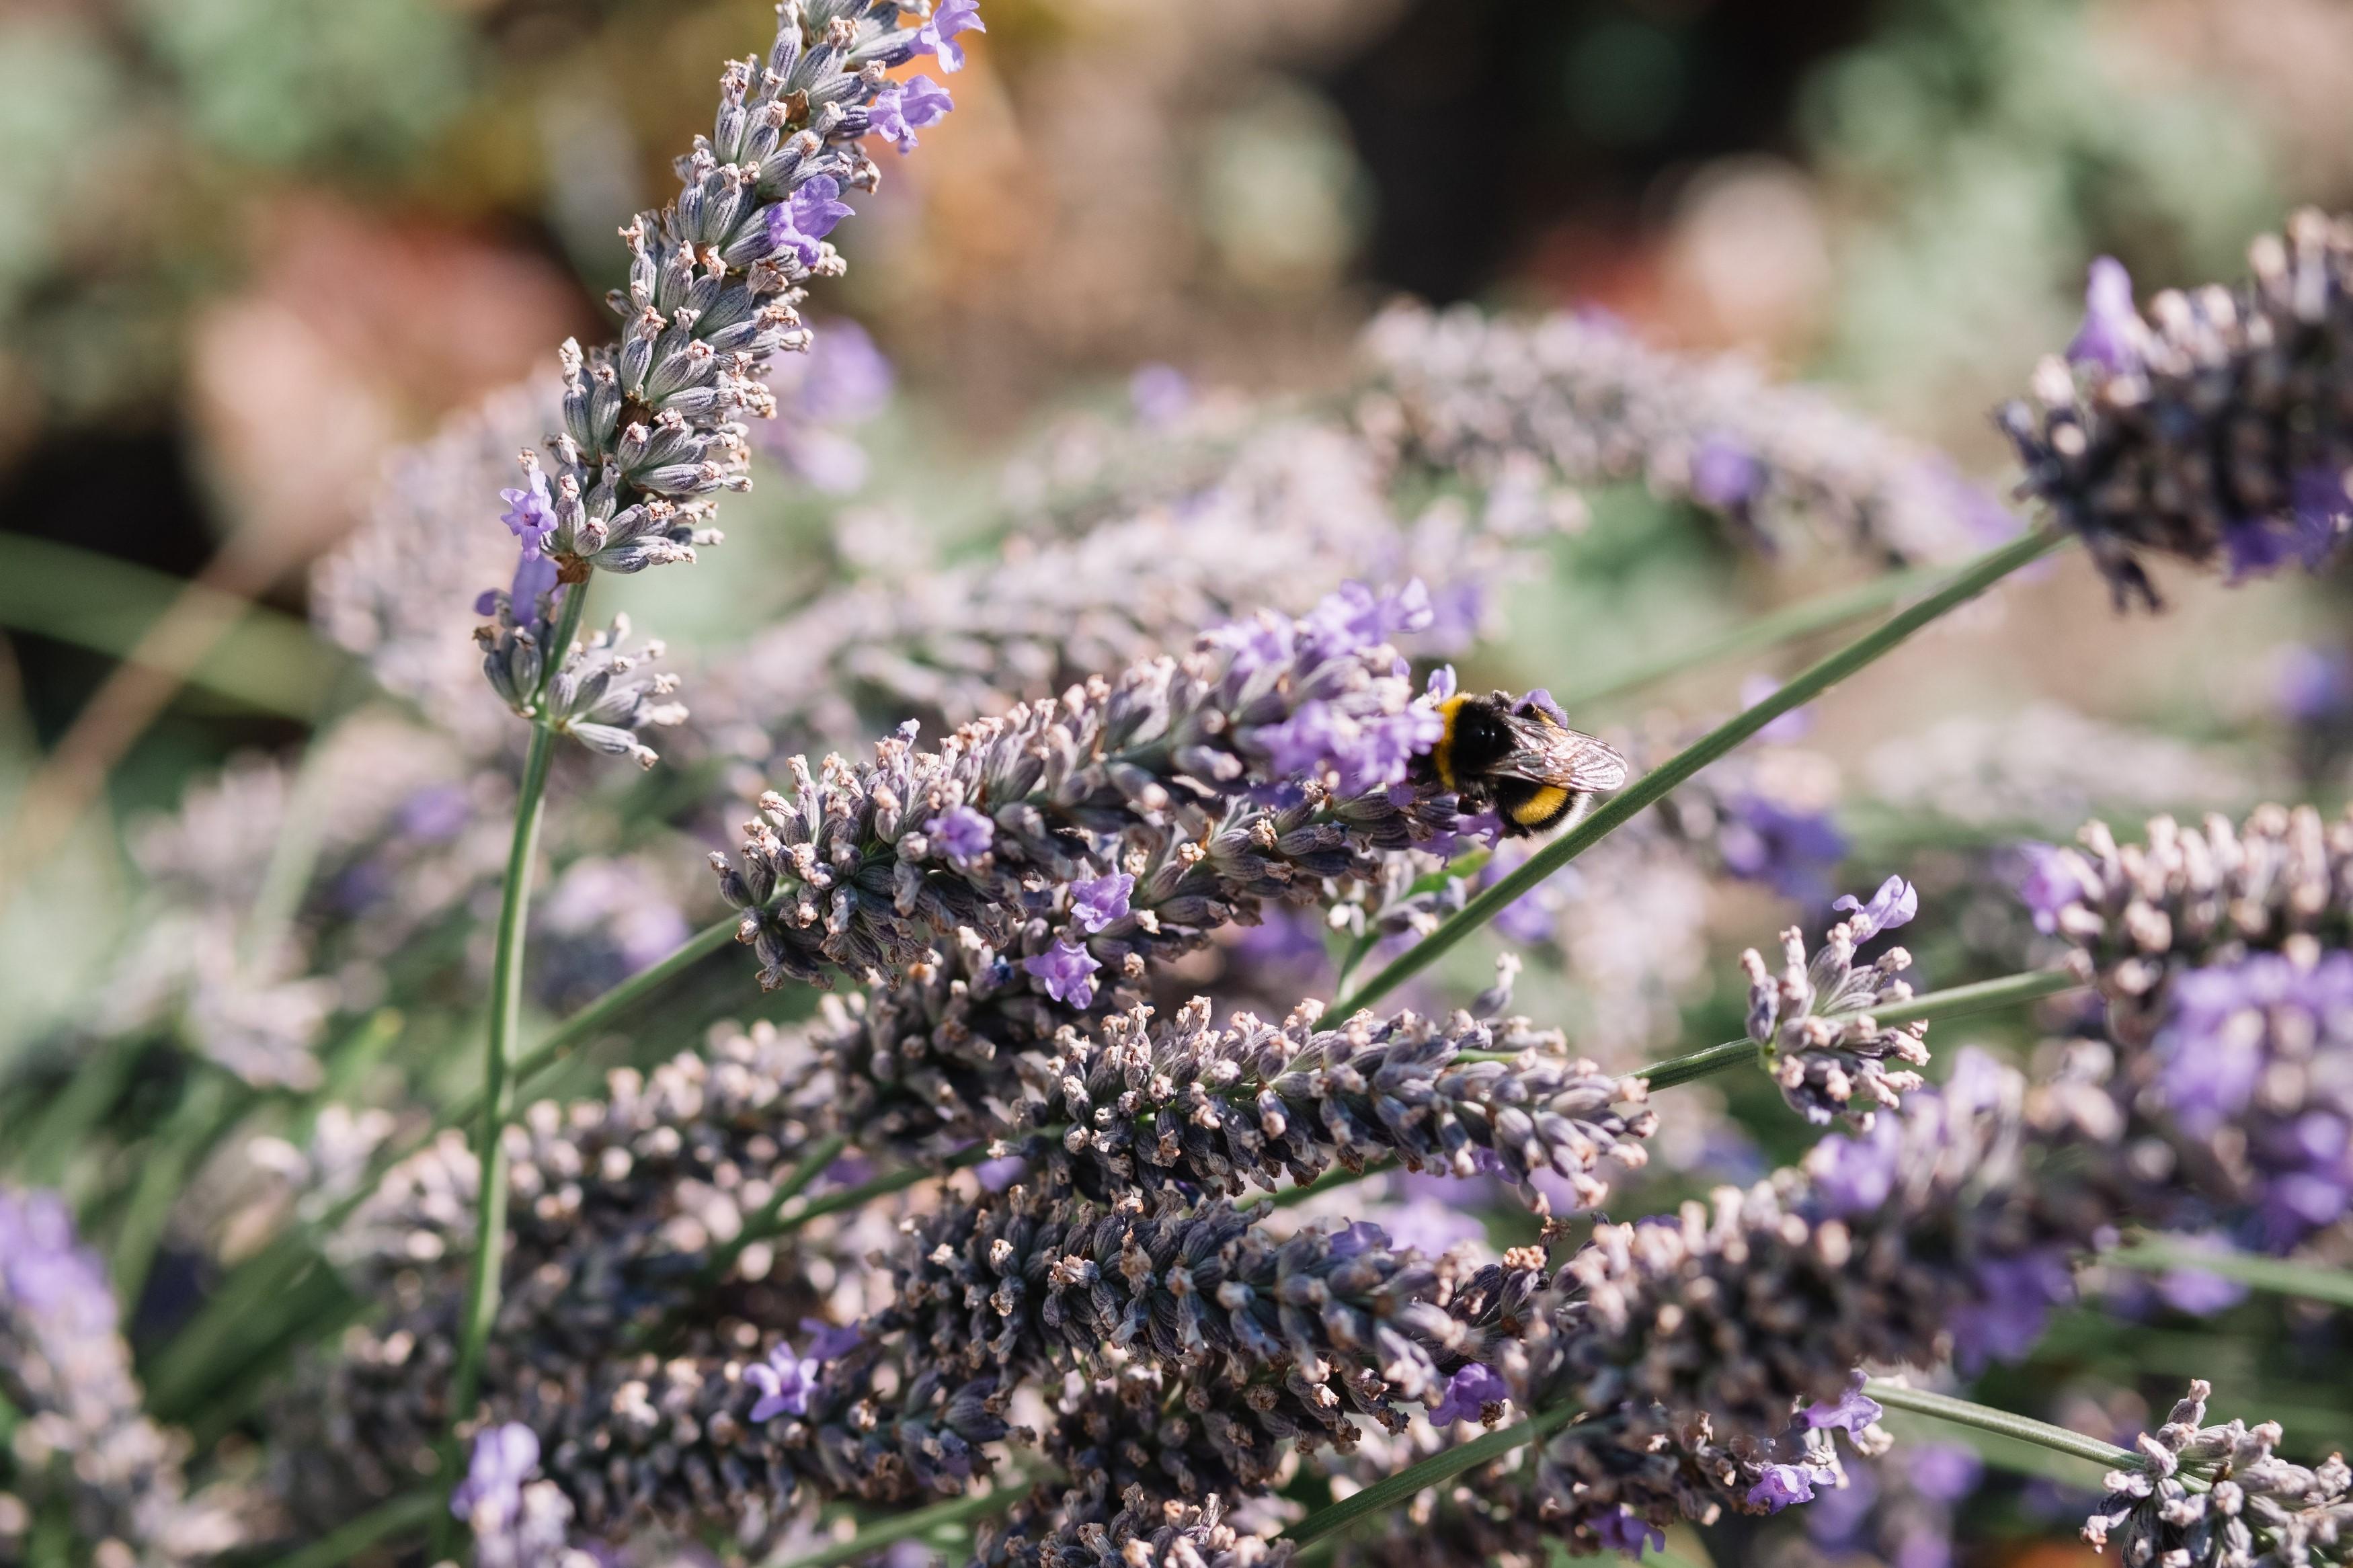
<point>1550,754</point>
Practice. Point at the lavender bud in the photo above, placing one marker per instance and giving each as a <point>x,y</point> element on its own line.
<point>1811,1020</point>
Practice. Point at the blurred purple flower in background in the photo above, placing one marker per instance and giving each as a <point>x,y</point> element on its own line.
<point>2112,331</point>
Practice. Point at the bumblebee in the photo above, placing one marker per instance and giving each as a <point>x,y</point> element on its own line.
<point>1519,755</point>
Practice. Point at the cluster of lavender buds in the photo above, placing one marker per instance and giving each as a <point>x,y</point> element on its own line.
<point>1130,1434</point>
<point>1144,1535</point>
<point>2226,959</point>
<point>1305,1332</point>
<point>1580,397</point>
<point>1611,1481</point>
<point>1124,818</point>
<point>2215,431</point>
<point>1812,1021</point>
<point>85,1451</point>
<point>1123,1102</point>
<point>1942,1228</point>
<point>616,1209</point>
<point>2219,1497</point>
<point>517,1522</point>
<point>600,695</point>
<point>650,434</point>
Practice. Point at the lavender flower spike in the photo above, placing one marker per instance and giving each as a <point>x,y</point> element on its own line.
<point>602,695</point>
<point>1214,782</point>
<point>2217,432</point>
<point>1812,1020</point>
<point>2249,1506</point>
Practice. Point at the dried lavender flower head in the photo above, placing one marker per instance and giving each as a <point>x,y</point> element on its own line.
<point>1576,398</point>
<point>2215,430</point>
<point>1812,1021</point>
<point>651,433</point>
<point>2218,1497</point>
<point>2223,954</point>
<point>1939,1229</point>
<point>2190,897</point>
<point>1277,748</point>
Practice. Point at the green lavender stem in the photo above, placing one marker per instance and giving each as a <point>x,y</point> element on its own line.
<point>481,1306</point>
<point>2001,1422</point>
<point>1652,787</point>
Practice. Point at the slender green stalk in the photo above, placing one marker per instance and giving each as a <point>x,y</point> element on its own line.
<point>404,1512</point>
<point>1462,867</point>
<point>593,1018</point>
<point>2025,1428</point>
<point>1983,997</point>
<point>481,1307</point>
<point>1436,1471</point>
<point>952,1512</point>
<point>497,1088</point>
<point>1647,791</point>
<point>1770,630</point>
<point>2278,1276</point>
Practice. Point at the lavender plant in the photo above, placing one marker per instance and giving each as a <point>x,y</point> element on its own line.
<point>1043,1230</point>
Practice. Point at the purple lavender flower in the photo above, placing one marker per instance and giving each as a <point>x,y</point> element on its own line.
<point>1856,1175</point>
<point>492,1493</point>
<point>1067,972</point>
<point>1357,1238</point>
<point>1792,851</point>
<point>2054,878</point>
<point>797,224</point>
<point>899,112</point>
<point>1625,1530</point>
<point>828,1341</point>
<point>1098,901</point>
<point>530,512</point>
<point>1783,1485</point>
<point>936,36</point>
<point>1893,905</point>
<point>2111,334</point>
<point>1466,1392</point>
<point>962,834</point>
<point>2015,1296</point>
<point>785,1380</point>
<point>434,814</point>
<point>1725,474</point>
<point>996,1175</point>
<point>1431,1226</point>
<point>1851,1413</point>
<point>1353,616</point>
